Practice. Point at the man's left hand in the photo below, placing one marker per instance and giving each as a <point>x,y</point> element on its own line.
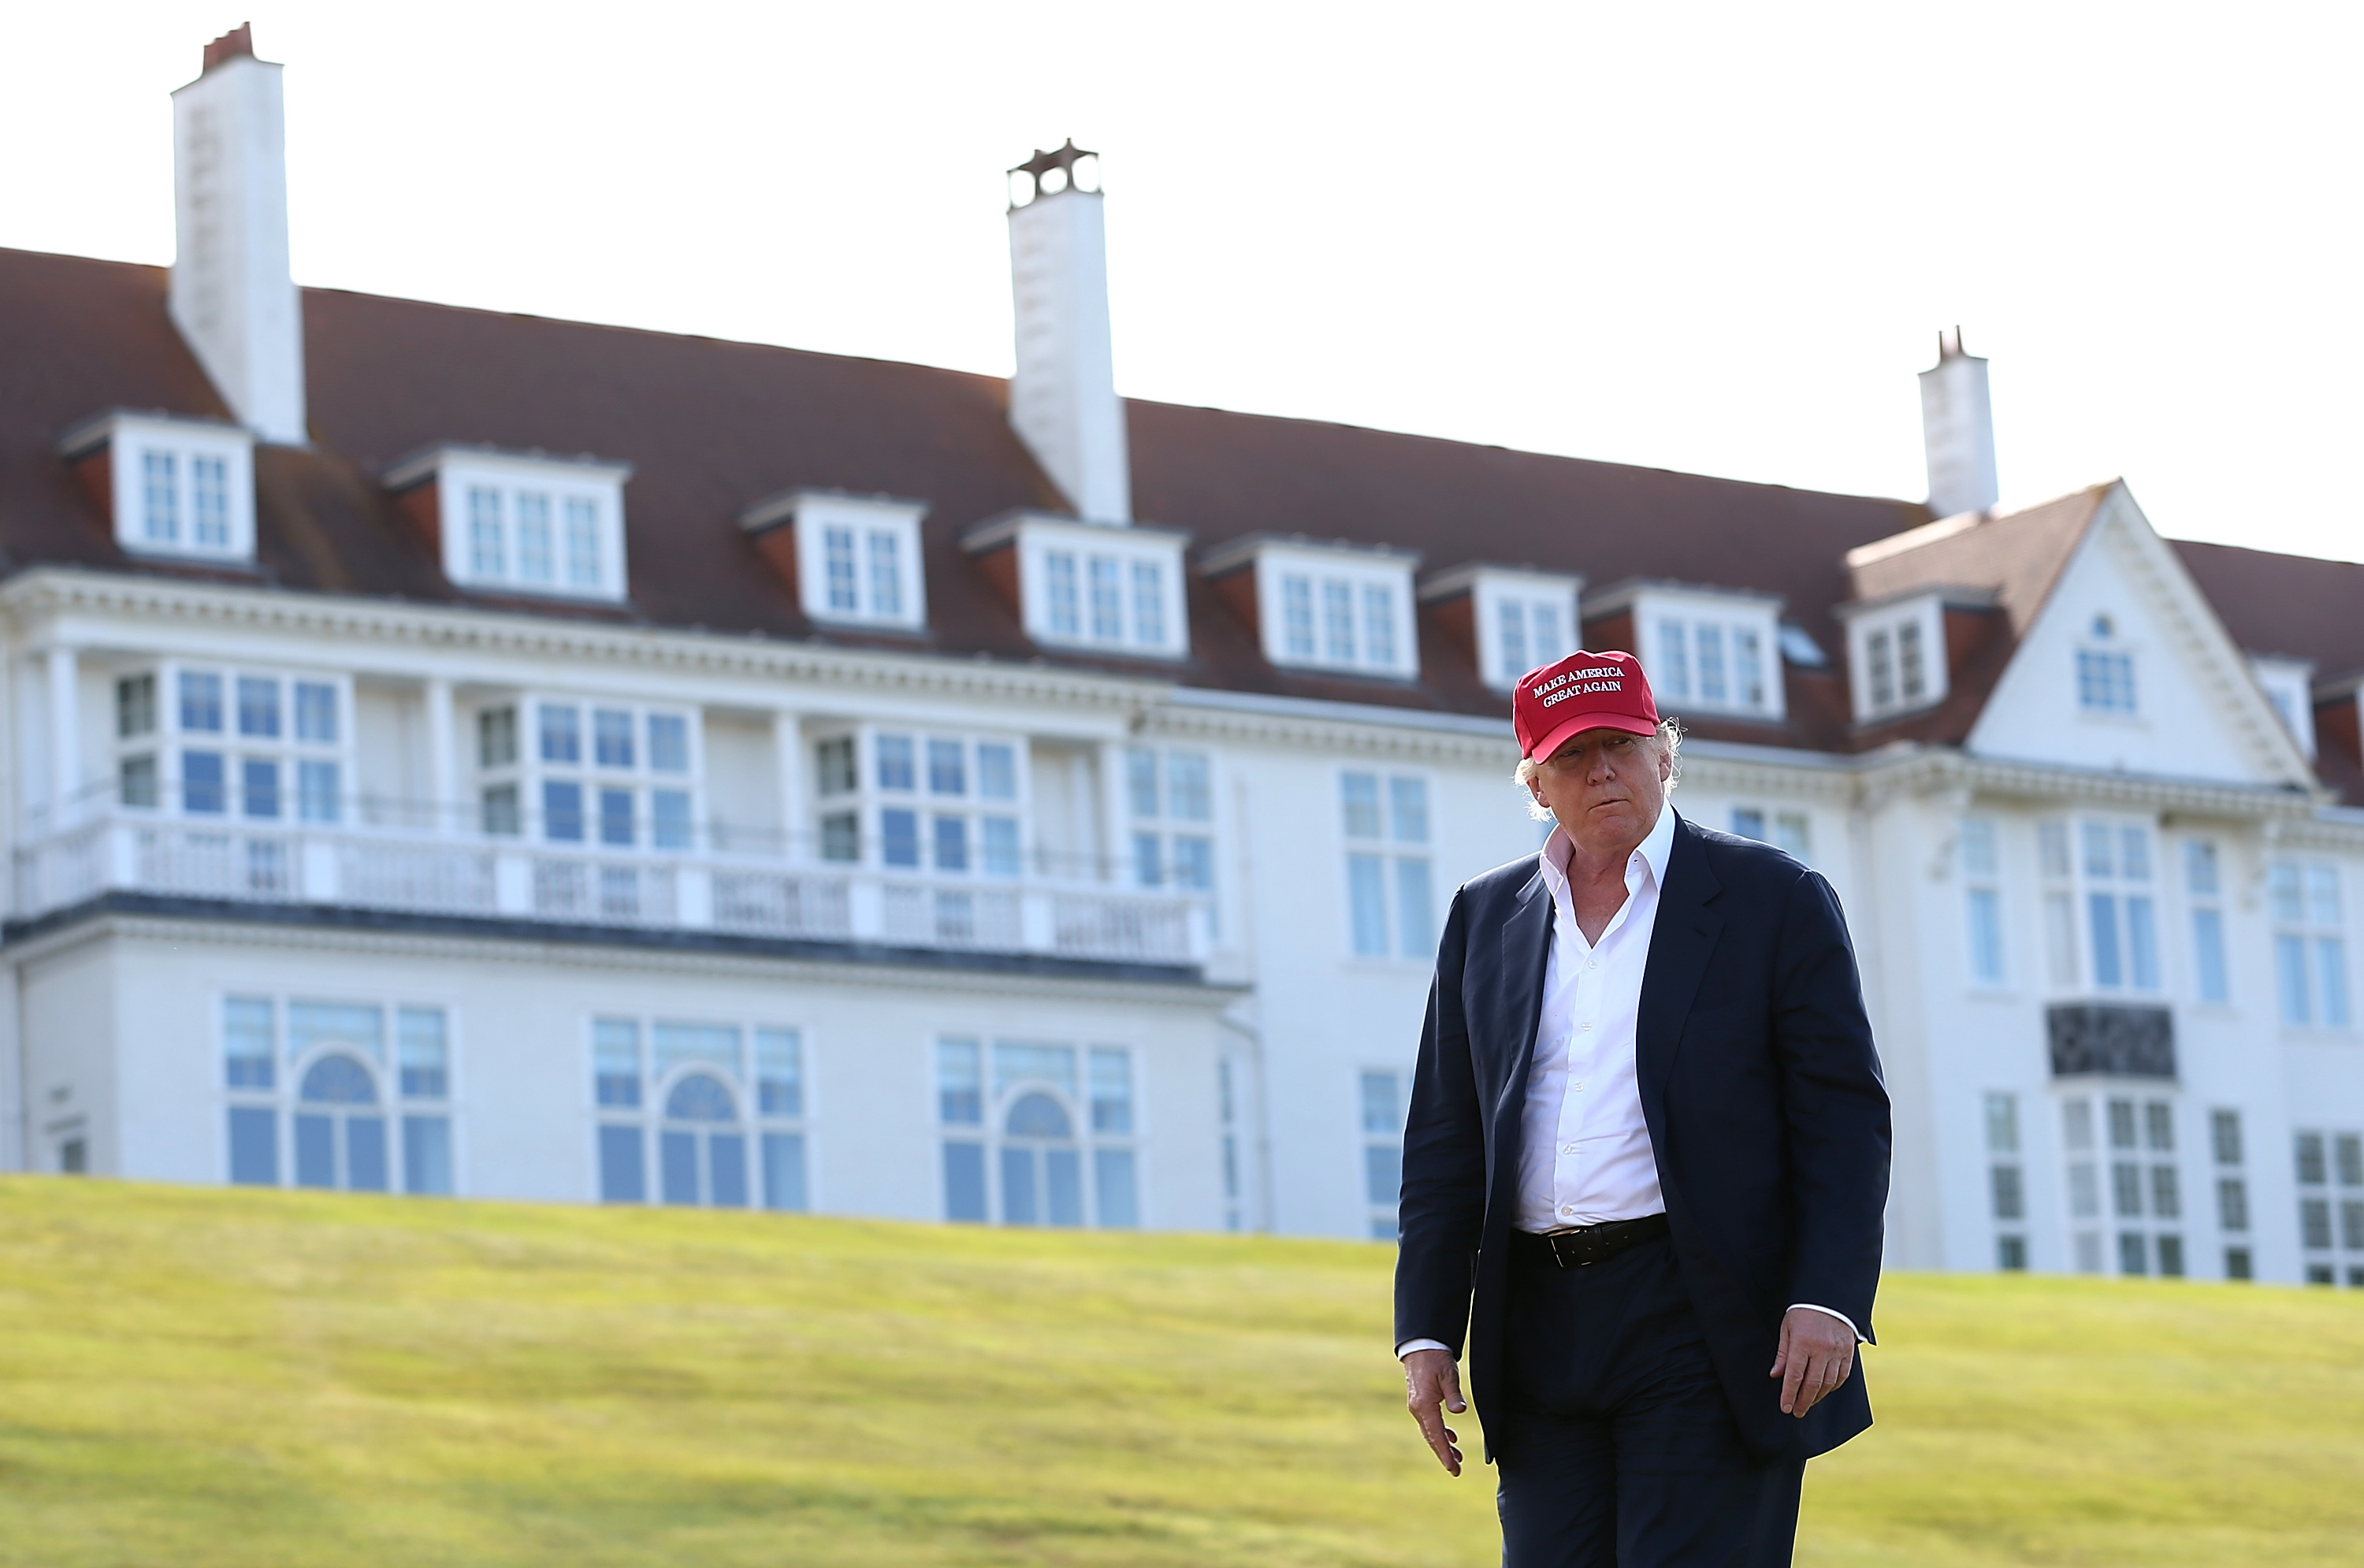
<point>1817,1355</point>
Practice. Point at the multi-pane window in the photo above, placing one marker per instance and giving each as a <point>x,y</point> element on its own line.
<point>537,539</point>
<point>1383,1099</point>
<point>614,775</point>
<point>1530,630</point>
<point>2098,894</point>
<point>1173,801</point>
<point>2331,1205</point>
<point>2105,671</point>
<point>2310,949</point>
<point>1346,622</point>
<point>863,571</point>
<point>1121,601</point>
<point>247,745</point>
<point>951,804</point>
<point>324,1090</point>
<point>2203,885</point>
<point>185,503</point>
<point>2232,1192</point>
<point>1713,663</point>
<point>1038,1133</point>
<point>2006,1181</point>
<point>2130,1159</point>
<point>1789,831</point>
<point>709,1114</point>
<point>1390,894</point>
<point>1982,900</point>
<point>1896,667</point>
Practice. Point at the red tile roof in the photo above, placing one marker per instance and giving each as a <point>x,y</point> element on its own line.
<point>712,425</point>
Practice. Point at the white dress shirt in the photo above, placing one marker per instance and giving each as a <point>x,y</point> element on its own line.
<point>1585,1155</point>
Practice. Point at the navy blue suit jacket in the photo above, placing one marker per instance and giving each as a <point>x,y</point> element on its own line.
<point>1760,1086</point>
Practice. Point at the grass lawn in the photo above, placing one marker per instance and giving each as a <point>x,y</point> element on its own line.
<point>196,1378</point>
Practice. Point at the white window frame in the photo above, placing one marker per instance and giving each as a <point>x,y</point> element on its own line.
<point>870,797</point>
<point>996,1097</point>
<point>1391,851</point>
<point>130,438</point>
<point>167,741</point>
<point>281,1098</point>
<point>2005,1142</point>
<point>2293,904</point>
<point>2288,686</point>
<point>2083,885</point>
<point>1353,572</point>
<point>1494,592</point>
<point>1373,1140</point>
<point>527,771</point>
<point>865,522</point>
<point>1980,848</point>
<point>1906,642</point>
<point>2093,1182</point>
<point>1151,626</point>
<point>1154,852</point>
<point>564,483</point>
<point>1790,828</point>
<point>1674,674</point>
<point>2209,901</point>
<point>654,1083</point>
<point>2102,638</point>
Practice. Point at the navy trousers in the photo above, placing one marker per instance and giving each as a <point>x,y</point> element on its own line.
<point>1615,1447</point>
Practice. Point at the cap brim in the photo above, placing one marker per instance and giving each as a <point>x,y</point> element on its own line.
<point>1576,724</point>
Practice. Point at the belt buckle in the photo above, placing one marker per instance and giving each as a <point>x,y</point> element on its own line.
<point>1577,1256</point>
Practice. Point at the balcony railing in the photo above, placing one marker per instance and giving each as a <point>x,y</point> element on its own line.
<point>749,896</point>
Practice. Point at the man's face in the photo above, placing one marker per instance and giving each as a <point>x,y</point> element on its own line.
<point>1606,788</point>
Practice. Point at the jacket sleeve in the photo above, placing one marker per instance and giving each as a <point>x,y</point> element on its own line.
<point>1441,1208</point>
<point>1835,1107</point>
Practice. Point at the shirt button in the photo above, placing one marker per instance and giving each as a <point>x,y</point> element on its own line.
<point>1577,1086</point>
<point>1587,1028</point>
<point>1567,1148</point>
<point>1566,1210</point>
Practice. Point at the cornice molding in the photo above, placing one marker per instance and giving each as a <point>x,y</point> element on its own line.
<point>1373,736</point>
<point>57,592</point>
<point>540,957</point>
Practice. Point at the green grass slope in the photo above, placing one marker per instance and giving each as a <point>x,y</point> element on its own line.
<point>195,1377</point>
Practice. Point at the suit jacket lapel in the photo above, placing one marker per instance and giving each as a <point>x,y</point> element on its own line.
<point>1526,946</point>
<point>1680,945</point>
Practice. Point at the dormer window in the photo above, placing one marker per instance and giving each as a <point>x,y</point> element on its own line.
<point>1518,618</point>
<point>1325,606</point>
<point>1090,586</point>
<point>519,522</point>
<point>854,559</point>
<point>1707,650</point>
<point>2105,671</point>
<point>174,486</point>
<point>1896,649</point>
<point>2288,684</point>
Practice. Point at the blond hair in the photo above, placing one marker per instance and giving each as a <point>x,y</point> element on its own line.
<point>1670,741</point>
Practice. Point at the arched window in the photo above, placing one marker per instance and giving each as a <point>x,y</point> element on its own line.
<point>702,1151</point>
<point>1041,1172</point>
<point>339,1131</point>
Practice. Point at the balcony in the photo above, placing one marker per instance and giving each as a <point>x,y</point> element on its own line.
<point>390,870</point>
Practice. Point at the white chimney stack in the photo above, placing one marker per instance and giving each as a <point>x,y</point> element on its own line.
<point>1063,401</point>
<point>233,295</point>
<point>1957,426</point>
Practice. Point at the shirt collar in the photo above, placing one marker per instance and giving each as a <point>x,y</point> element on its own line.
<point>1654,852</point>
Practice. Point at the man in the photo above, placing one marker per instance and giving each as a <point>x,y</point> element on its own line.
<point>1645,1161</point>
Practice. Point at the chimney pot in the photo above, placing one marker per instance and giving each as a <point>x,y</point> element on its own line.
<point>239,41</point>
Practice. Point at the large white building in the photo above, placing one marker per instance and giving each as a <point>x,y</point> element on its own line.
<point>475,754</point>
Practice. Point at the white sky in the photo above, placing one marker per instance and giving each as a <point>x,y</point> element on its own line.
<point>1712,238</point>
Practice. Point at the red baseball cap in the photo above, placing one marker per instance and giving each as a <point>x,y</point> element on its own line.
<point>1582,692</point>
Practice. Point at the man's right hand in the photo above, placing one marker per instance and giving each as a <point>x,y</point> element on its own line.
<point>1430,1381</point>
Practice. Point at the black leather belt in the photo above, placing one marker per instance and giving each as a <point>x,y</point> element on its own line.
<point>1587,1245</point>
